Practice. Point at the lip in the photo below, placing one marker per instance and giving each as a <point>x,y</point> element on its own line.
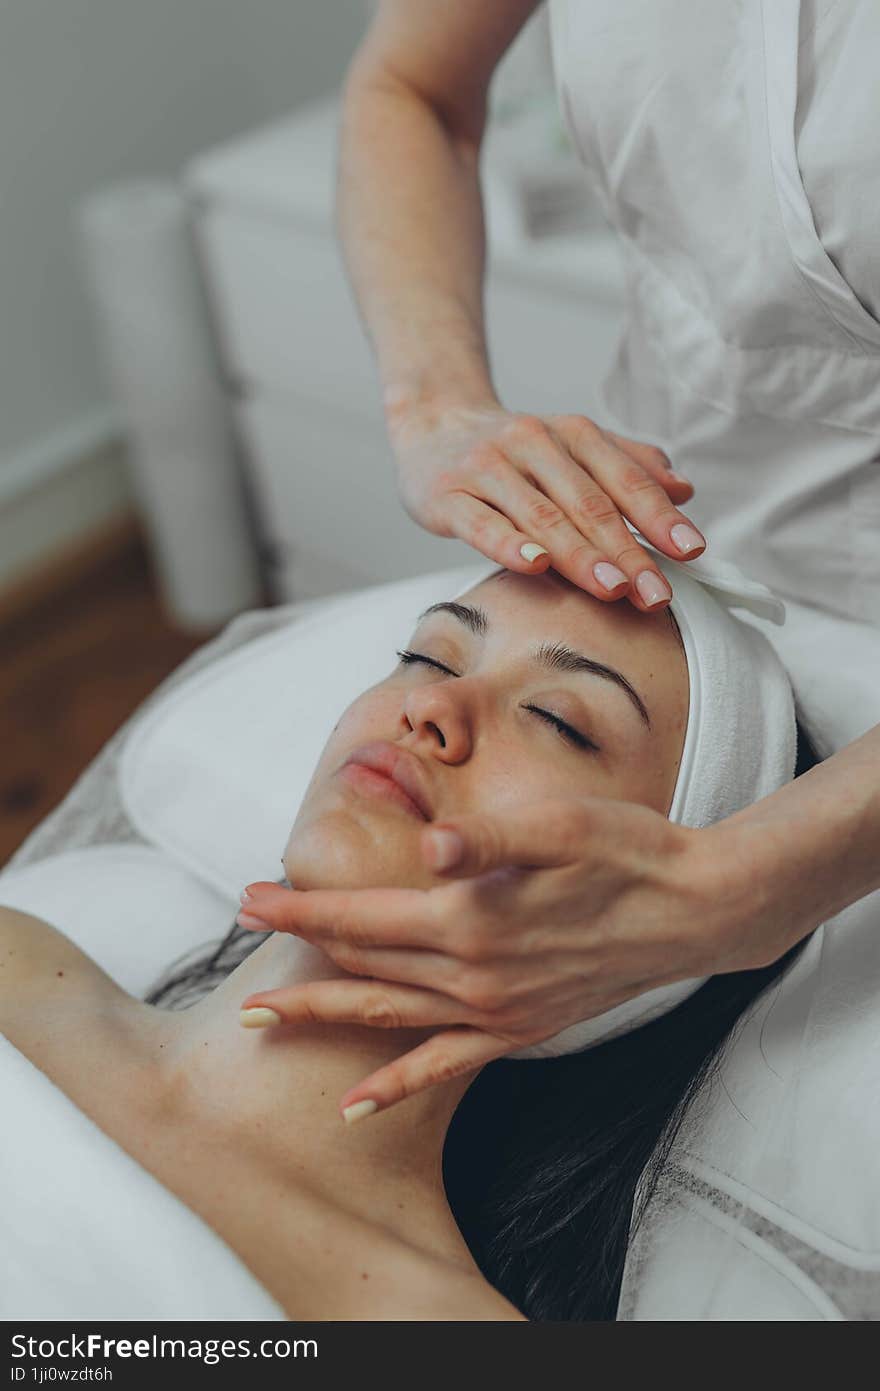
<point>401,769</point>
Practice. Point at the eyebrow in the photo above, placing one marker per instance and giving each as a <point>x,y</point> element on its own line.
<point>555,656</point>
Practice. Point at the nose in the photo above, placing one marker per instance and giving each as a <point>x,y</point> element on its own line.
<point>439,720</point>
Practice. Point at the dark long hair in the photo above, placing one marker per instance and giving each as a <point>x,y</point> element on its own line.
<point>545,1159</point>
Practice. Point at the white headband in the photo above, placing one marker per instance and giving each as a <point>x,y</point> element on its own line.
<point>740,743</point>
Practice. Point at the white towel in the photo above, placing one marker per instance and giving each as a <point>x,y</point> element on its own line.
<point>740,744</point>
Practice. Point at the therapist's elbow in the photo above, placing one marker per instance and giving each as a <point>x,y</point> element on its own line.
<point>373,77</point>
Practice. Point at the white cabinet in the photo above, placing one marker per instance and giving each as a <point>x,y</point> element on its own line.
<point>300,372</point>
<point>285,312</point>
<point>326,496</point>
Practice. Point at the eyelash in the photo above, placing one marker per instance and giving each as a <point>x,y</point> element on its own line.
<point>565,731</point>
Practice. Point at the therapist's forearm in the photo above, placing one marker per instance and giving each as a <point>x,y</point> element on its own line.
<point>814,845</point>
<point>410,222</point>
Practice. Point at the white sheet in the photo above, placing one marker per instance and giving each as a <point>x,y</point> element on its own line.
<point>85,1231</point>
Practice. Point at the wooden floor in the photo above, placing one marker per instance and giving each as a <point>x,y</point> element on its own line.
<point>72,669</point>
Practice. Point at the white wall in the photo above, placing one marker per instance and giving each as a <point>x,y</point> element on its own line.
<point>94,91</point>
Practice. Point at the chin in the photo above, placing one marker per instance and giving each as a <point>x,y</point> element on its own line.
<point>338,851</point>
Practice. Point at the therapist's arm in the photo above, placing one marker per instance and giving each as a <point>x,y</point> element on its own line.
<point>409,207</point>
<point>410,221</point>
<point>812,848</point>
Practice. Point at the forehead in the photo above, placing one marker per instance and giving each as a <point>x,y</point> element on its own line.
<point>549,606</point>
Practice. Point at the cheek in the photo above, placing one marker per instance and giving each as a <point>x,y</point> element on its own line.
<point>374,715</point>
<point>339,842</point>
<point>377,714</point>
<point>522,775</point>
<point>518,772</point>
<point>649,775</point>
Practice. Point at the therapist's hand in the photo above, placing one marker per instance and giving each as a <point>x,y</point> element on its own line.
<point>502,480</point>
<point>553,913</point>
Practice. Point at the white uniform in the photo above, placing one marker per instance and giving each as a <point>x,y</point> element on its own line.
<point>736,149</point>
<point>735,145</point>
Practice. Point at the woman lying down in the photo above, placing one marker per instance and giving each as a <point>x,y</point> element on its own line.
<point>506,1193</point>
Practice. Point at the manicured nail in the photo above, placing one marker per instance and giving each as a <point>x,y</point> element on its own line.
<point>608,575</point>
<point>530,551</point>
<point>652,588</point>
<point>258,1017</point>
<point>358,1110</point>
<point>686,537</point>
<point>680,478</point>
<point>446,848</point>
<point>249,920</point>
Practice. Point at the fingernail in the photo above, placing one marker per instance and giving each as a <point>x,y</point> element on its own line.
<point>249,920</point>
<point>686,537</point>
<point>244,896</point>
<point>446,848</point>
<point>258,1017</point>
<point>530,551</point>
<point>358,1110</point>
<point>680,478</point>
<point>608,575</point>
<point>651,587</point>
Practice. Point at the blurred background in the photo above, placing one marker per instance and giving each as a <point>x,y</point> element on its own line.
<point>190,418</point>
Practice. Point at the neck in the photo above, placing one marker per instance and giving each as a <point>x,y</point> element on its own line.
<point>275,1093</point>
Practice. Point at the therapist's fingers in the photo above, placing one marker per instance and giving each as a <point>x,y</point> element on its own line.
<point>494,534</point>
<point>635,475</point>
<point>411,966</point>
<point>579,552</point>
<point>553,479</point>
<point>611,484</point>
<point>374,1003</point>
<point>543,834</point>
<point>657,463</point>
<point>359,917</point>
<point>446,1055</point>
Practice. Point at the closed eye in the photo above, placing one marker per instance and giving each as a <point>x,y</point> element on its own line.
<point>565,730</point>
<point>408,657</point>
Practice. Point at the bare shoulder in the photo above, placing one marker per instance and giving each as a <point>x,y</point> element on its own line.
<point>33,955</point>
<point>63,1011</point>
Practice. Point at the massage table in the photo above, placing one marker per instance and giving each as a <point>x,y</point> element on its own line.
<point>770,1204</point>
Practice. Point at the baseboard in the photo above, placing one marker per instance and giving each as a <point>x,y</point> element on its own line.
<point>56,494</point>
<point>25,469</point>
<point>69,565</point>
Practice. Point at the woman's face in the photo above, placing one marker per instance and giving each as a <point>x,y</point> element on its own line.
<point>471,727</point>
